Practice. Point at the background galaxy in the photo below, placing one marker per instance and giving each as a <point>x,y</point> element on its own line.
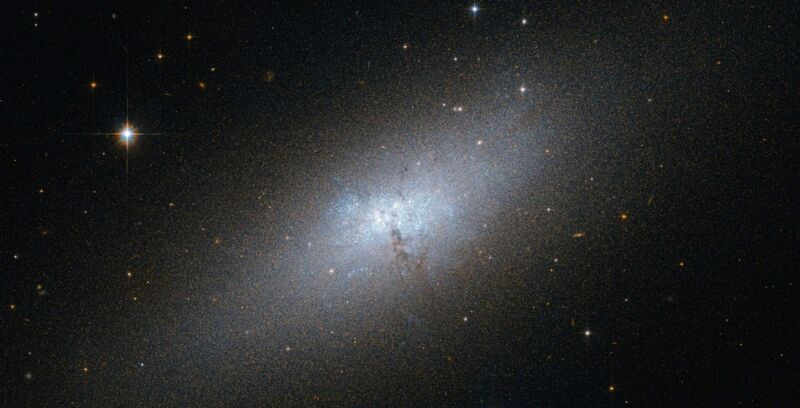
<point>496,204</point>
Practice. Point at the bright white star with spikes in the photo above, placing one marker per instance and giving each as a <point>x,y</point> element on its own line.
<point>474,9</point>
<point>127,134</point>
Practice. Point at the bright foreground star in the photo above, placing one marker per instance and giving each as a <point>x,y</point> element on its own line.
<point>474,9</point>
<point>126,134</point>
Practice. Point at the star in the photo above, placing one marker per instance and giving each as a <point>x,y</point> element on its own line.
<point>127,134</point>
<point>524,21</point>
<point>474,10</point>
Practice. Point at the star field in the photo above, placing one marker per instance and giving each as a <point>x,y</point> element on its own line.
<point>498,204</point>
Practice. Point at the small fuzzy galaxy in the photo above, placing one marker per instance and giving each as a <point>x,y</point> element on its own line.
<point>394,204</point>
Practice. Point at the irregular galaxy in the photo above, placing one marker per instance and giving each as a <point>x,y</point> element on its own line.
<point>449,204</point>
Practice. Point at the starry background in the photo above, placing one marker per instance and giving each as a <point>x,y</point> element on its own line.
<point>396,204</point>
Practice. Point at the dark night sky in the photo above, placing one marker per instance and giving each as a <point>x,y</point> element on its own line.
<point>525,204</point>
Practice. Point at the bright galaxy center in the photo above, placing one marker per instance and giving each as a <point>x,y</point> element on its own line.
<point>370,222</point>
